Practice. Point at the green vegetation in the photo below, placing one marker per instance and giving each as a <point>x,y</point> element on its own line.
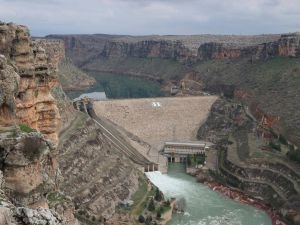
<point>294,155</point>
<point>141,198</point>
<point>55,198</point>
<point>121,86</point>
<point>275,83</point>
<point>70,75</point>
<point>36,93</point>
<point>275,146</point>
<point>158,195</point>
<point>141,219</point>
<point>194,160</point>
<point>26,129</point>
<point>151,205</point>
<point>283,140</point>
<point>164,208</point>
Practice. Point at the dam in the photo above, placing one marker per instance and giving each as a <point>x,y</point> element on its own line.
<point>149,123</point>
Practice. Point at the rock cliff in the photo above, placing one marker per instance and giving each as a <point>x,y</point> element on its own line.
<point>34,104</point>
<point>29,126</point>
<point>51,156</point>
<point>246,159</point>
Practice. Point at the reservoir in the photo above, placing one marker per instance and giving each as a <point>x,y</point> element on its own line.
<point>202,205</point>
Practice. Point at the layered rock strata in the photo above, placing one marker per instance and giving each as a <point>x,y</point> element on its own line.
<point>34,103</point>
<point>240,148</point>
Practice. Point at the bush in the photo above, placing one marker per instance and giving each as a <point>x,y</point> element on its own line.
<point>275,146</point>
<point>158,195</point>
<point>141,219</point>
<point>294,155</point>
<point>25,128</point>
<point>151,206</point>
<point>282,140</point>
<point>148,220</point>
<point>158,214</point>
<point>167,203</point>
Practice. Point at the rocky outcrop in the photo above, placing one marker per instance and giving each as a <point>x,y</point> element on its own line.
<point>149,49</point>
<point>243,157</point>
<point>217,51</point>
<point>29,128</point>
<point>29,171</point>
<point>289,45</point>
<point>34,104</point>
<point>9,85</point>
<point>55,50</point>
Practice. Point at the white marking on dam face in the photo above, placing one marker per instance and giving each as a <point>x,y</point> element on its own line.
<point>156,104</point>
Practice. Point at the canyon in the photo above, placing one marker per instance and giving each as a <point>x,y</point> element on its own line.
<point>257,77</point>
<point>61,166</point>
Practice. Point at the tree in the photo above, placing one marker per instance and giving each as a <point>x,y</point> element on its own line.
<point>158,195</point>
<point>151,206</point>
<point>158,214</point>
<point>141,219</point>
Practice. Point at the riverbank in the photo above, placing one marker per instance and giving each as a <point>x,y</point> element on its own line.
<point>167,216</point>
<point>245,199</point>
<point>236,195</point>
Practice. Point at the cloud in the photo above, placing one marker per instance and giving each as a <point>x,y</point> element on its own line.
<point>140,17</point>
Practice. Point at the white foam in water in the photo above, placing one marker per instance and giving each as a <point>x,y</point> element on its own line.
<point>203,206</point>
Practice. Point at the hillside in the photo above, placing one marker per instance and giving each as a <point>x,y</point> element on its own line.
<point>263,68</point>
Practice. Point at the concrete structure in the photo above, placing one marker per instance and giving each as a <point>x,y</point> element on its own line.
<point>150,122</point>
<point>115,137</point>
<point>83,104</point>
<point>179,151</point>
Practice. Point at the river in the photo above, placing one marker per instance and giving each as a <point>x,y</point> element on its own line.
<point>203,206</point>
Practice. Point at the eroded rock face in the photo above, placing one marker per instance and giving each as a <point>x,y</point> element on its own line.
<point>55,50</point>
<point>35,105</point>
<point>289,45</point>
<point>29,171</point>
<point>148,49</point>
<point>9,85</point>
<point>104,177</point>
<point>217,51</point>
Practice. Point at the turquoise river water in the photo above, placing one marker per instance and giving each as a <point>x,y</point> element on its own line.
<point>202,205</point>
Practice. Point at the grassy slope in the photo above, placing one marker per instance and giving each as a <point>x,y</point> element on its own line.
<point>274,82</point>
<point>70,75</point>
<point>161,68</point>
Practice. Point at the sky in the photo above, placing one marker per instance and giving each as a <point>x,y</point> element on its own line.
<point>146,17</point>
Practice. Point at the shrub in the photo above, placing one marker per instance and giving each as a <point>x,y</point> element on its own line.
<point>167,203</point>
<point>158,195</point>
<point>294,155</point>
<point>25,128</point>
<point>141,219</point>
<point>275,146</point>
<point>151,206</point>
<point>158,214</point>
<point>282,140</point>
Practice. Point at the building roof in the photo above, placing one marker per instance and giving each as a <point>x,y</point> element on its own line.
<point>192,144</point>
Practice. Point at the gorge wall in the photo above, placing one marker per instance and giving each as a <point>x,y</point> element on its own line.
<point>246,160</point>
<point>29,126</point>
<point>55,163</point>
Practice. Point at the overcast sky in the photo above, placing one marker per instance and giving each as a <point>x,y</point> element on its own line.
<point>141,17</point>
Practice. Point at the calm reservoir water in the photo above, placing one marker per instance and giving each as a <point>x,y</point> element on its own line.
<point>204,206</point>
